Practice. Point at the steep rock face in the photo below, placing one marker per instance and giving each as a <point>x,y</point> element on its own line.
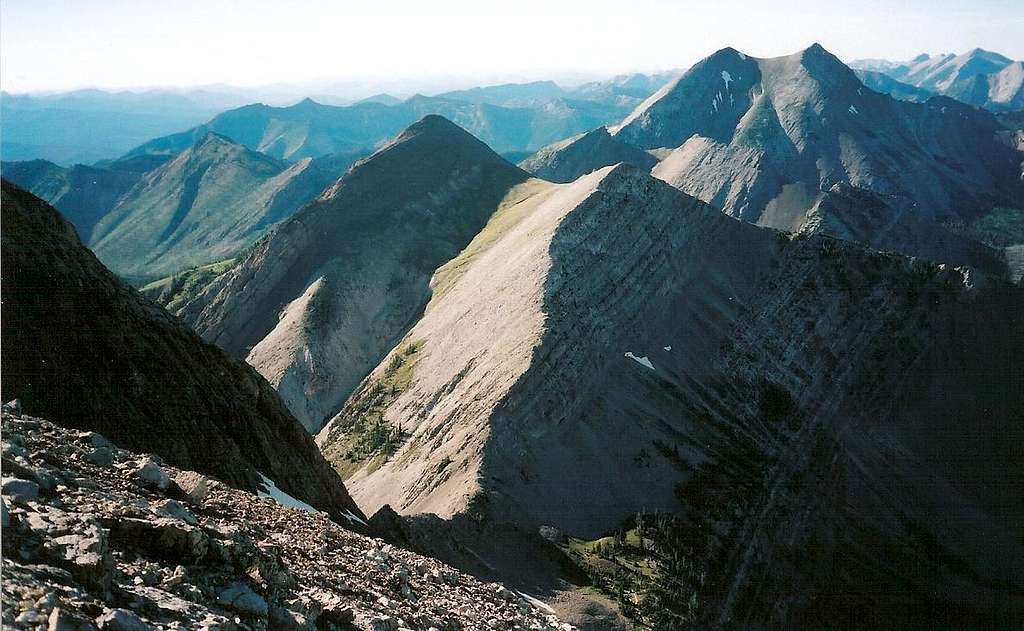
<point>86,350</point>
<point>83,194</point>
<point>317,304</point>
<point>567,160</point>
<point>764,138</point>
<point>208,203</point>
<point>620,347</point>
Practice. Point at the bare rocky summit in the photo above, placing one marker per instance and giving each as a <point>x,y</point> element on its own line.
<point>128,543</point>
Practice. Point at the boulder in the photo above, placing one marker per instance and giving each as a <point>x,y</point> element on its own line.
<point>174,509</point>
<point>153,475</point>
<point>241,598</point>
<point>121,620</point>
<point>20,491</point>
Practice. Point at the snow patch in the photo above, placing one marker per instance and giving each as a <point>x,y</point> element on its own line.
<point>353,518</point>
<point>668,348</point>
<point>643,361</point>
<point>742,56</point>
<point>727,78</point>
<point>853,109</point>
<point>280,496</point>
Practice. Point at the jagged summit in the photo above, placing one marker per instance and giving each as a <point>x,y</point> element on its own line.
<point>764,139</point>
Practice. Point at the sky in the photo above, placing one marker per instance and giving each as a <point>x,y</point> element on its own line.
<point>48,45</point>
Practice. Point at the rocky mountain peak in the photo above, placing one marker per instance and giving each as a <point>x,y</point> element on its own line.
<point>340,281</point>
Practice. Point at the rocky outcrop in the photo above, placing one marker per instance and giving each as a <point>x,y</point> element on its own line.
<point>765,139</point>
<point>806,407</point>
<point>98,546</point>
<point>569,159</point>
<point>88,351</point>
<point>315,305</point>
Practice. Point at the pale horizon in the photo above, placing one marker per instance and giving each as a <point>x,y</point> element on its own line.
<point>49,46</point>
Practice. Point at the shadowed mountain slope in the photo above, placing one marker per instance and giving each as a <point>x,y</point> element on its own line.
<point>567,160</point>
<point>315,305</point>
<point>810,409</point>
<point>83,194</point>
<point>87,351</point>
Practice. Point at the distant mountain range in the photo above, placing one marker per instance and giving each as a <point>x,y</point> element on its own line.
<point>153,215</point>
<point>977,77</point>
<point>520,117</point>
<point>87,126</point>
<point>169,204</point>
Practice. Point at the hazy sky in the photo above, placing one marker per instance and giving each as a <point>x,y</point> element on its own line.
<point>60,44</point>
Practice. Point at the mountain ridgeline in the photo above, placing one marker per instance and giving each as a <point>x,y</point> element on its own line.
<point>149,216</point>
<point>316,304</point>
<point>740,352</point>
<point>977,77</point>
<point>616,347</point>
<point>85,349</point>
<point>771,140</point>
